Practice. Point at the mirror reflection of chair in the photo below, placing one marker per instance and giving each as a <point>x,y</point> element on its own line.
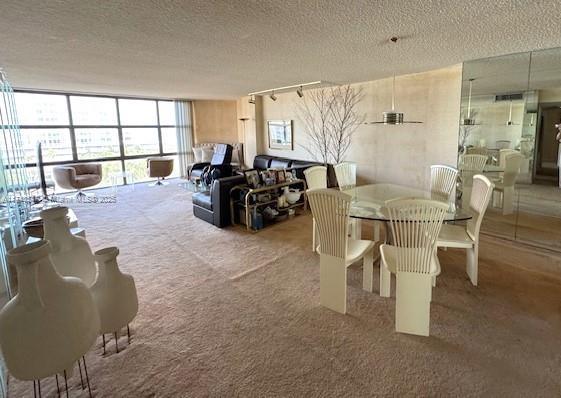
<point>337,251</point>
<point>442,182</point>
<point>415,225</point>
<point>503,194</point>
<point>470,165</point>
<point>502,144</point>
<point>316,178</point>
<point>467,237</point>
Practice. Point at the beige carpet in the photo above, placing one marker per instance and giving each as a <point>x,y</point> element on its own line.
<point>227,313</point>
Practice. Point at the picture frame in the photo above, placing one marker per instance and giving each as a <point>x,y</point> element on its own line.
<point>281,176</point>
<point>252,178</point>
<point>280,134</point>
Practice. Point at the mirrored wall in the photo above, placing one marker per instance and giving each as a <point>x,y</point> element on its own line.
<point>509,111</point>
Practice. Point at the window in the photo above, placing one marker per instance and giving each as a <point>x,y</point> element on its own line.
<point>56,144</point>
<point>97,143</point>
<point>141,141</point>
<point>167,113</point>
<point>93,111</point>
<point>137,112</point>
<point>41,109</point>
<point>118,132</point>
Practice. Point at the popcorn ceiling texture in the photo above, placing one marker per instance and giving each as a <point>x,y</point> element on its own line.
<point>227,313</point>
<point>225,49</point>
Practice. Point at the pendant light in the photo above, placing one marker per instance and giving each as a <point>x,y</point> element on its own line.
<point>509,121</point>
<point>393,117</point>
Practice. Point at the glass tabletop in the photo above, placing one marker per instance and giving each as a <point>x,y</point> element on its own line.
<point>368,201</point>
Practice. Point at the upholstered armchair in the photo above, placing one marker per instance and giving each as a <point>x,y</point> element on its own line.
<point>159,167</point>
<point>78,176</point>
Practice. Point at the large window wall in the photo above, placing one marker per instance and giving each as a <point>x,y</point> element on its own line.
<point>118,132</point>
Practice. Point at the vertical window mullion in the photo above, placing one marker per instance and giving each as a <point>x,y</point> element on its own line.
<point>121,142</point>
<point>160,144</point>
<point>72,132</point>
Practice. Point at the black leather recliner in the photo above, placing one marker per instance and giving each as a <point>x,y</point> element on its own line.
<point>214,206</point>
<point>219,166</point>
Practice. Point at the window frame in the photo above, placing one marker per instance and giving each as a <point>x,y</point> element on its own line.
<point>119,126</point>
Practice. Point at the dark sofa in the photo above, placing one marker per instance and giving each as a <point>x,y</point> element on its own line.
<point>214,206</point>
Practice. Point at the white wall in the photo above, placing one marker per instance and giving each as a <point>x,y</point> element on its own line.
<point>400,154</point>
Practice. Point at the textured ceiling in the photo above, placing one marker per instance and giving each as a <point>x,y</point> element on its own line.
<point>224,49</point>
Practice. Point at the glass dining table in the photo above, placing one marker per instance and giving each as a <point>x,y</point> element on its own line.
<point>368,201</point>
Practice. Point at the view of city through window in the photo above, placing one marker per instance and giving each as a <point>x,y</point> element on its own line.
<point>120,133</point>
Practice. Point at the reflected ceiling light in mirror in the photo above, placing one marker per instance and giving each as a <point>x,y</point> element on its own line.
<point>509,121</point>
<point>468,121</point>
<point>392,117</point>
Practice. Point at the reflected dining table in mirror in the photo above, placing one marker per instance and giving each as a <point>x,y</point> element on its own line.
<point>369,200</point>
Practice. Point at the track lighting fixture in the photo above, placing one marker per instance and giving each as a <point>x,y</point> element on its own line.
<point>273,96</point>
<point>300,92</point>
<point>252,100</point>
<point>299,88</point>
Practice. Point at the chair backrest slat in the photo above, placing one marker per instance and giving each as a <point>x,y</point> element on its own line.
<point>471,165</point>
<point>346,175</point>
<point>330,209</point>
<point>316,177</point>
<point>415,225</point>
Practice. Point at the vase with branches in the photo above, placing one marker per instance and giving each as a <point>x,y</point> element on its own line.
<point>330,118</point>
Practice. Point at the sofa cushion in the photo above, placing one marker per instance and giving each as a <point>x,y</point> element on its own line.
<point>202,199</point>
<point>262,162</point>
<point>280,163</point>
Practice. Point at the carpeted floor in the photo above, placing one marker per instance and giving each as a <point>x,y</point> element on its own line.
<point>227,313</point>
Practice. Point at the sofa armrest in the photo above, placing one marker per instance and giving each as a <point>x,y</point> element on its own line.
<point>200,166</point>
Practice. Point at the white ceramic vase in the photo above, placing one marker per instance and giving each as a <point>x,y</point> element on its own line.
<point>71,255</point>
<point>52,321</point>
<point>114,292</point>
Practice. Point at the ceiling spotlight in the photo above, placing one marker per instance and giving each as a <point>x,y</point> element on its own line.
<point>273,96</point>
<point>300,92</point>
<point>252,100</point>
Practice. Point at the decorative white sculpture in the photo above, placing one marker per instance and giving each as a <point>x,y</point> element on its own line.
<point>114,294</point>
<point>52,321</point>
<point>71,255</point>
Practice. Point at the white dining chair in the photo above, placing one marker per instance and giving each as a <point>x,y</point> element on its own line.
<point>503,194</point>
<point>345,172</point>
<point>442,181</point>
<point>316,178</point>
<point>415,225</point>
<point>337,251</point>
<point>470,165</point>
<point>467,236</point>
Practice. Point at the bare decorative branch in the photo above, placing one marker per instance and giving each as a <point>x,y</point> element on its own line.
<point>330,119</point>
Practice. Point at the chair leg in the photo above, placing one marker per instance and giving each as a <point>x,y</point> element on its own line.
<point>434,281</point>
<point>466,196</point>
<point>412,304</point>
<point>333,283</point>
<point>385,280</point>
<point>314,244</point>
<point>508,200</point>
<point>368,271</point>
<point>472,260</point>
<point>376,231</point>
<point>357,228</point>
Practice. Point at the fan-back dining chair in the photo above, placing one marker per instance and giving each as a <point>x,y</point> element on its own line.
<point>345,172</point>
<point>505,187</point>
<point>467,237</point>
<point>415,225</point>
<point>442,181</point>
<point>316,178</point>
<point>337,251</point>
<point>470,165</point>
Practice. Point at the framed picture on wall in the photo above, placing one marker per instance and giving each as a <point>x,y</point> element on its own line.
<point>280,134</point>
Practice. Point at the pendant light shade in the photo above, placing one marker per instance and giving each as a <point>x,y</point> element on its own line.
<point>468,120</point>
